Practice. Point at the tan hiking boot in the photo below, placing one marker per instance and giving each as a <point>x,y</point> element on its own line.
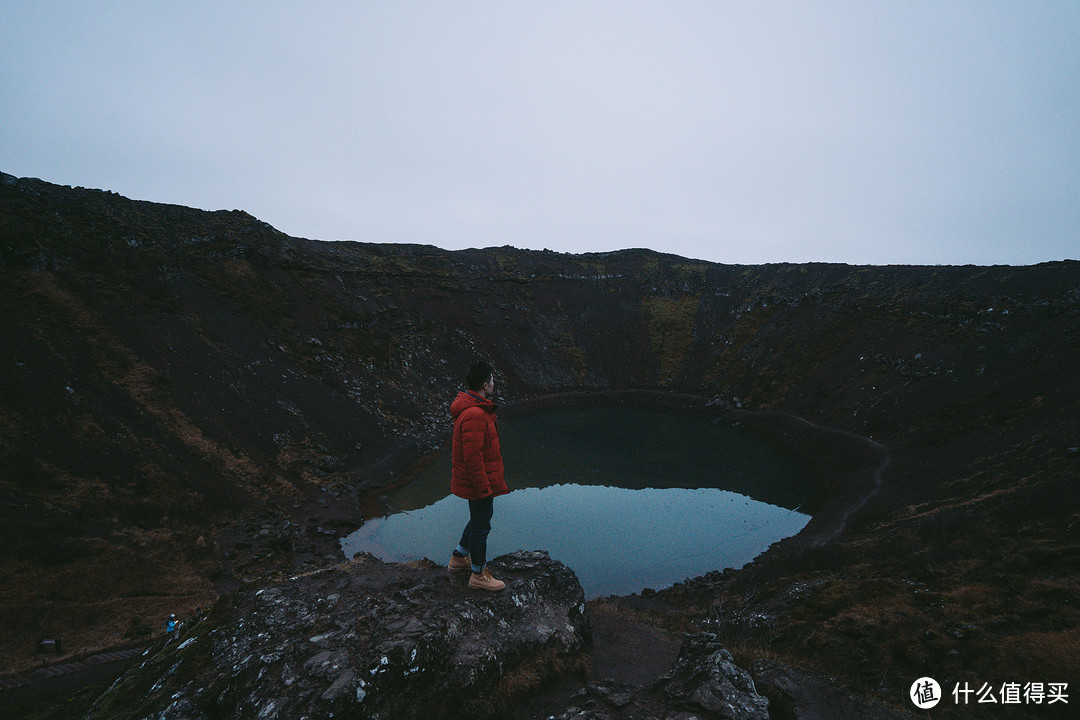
<point>459,562</point>
<point>484,581</point>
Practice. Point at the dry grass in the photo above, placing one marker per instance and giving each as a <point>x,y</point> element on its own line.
<point>110,597</point>
<point>1048,656</point>
<point>524,680</point>
<point>668,620</point>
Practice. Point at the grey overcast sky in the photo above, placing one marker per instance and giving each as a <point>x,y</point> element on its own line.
<point>867,132</point>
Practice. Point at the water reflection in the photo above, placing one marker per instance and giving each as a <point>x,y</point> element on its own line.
<point>627,497</point>
<point>617,540</point>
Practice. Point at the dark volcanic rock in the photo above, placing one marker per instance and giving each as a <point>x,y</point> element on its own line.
<point>706,682</point>
<point>703,683</point>
<point>366,639</point>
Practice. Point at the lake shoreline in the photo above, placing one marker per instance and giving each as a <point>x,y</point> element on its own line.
<point>844,467</point>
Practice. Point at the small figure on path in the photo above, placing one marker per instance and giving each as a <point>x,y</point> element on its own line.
<point>477,472</point>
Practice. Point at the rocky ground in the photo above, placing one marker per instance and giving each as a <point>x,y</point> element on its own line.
<point>366,639</point>
<point>192,402</point>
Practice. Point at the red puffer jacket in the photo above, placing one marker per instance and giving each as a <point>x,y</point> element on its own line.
<point>475,453</point>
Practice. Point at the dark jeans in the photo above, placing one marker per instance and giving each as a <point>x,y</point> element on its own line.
<point>474,539</point>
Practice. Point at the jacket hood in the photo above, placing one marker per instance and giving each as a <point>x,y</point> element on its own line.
<point>465,400</point>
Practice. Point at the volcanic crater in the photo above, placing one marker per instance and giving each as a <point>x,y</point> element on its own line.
<point>192,402</point>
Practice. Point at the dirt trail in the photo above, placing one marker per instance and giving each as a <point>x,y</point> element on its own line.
<point>46,691</point>
<point>864,490</point>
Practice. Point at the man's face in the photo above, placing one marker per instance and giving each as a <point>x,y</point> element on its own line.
<point>489,386</point>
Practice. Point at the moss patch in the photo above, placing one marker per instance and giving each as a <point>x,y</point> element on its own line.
<point>671,332</point>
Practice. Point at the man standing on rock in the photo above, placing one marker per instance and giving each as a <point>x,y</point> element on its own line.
<point>477,472</point>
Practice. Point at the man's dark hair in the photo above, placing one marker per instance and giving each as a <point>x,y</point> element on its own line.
<point>479,373</point>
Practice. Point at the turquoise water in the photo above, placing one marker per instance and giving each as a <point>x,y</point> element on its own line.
<point>628,497</point>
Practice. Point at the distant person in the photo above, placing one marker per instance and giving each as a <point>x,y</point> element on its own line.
<point>477,472</point>
<point>170,625</point>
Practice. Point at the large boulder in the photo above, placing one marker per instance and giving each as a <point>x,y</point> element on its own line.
<point>365,639</point>
<point>705,682</point>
